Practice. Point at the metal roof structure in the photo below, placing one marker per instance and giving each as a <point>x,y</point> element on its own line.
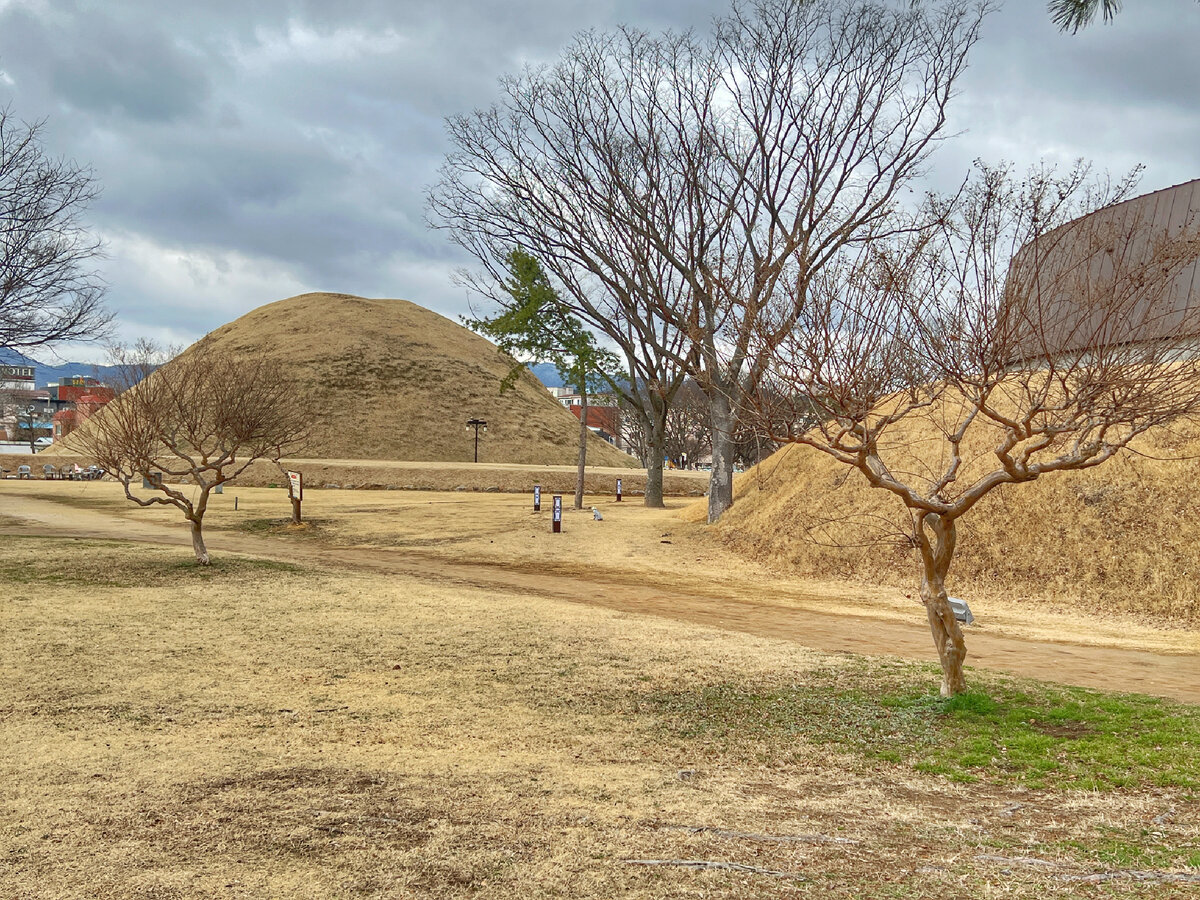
<point>1126,274</point>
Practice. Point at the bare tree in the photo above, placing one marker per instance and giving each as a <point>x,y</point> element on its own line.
<point>752,439</point>
<point>831,108</point>
<point>686,180</point>
<point>27,425</point>
<point>551,169</point>
<point>12,406</point>
<point>49,288</point>
<point>199,420</point>
<point>633,438</point>
<point>9,404</point>
<point>689,428</point>
<point>1014,340</point>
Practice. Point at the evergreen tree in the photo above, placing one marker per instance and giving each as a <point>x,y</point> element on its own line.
<point>533,325</point>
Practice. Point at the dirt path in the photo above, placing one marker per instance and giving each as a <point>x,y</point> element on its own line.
<point>1176,676</point>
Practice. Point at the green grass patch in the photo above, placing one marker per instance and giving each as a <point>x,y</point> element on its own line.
<point>1003,730</point>
<point>1141,849</point>
<point>34,562</point>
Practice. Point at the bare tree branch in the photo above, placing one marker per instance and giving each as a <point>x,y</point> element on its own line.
<point>1038,326</point>
<point>202,418</point>
<point>49,288</point>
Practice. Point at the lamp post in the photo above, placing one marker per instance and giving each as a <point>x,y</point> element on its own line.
<point>477,424</point>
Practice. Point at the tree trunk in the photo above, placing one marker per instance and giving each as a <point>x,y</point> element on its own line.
<point>198,545</point>
<point>656,438</point>
<point>937,551</point>
<point>720,482</point>
<point>583,436</point>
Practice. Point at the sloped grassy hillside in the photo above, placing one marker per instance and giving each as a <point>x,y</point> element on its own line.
<point>394,380</point>
<point>1122,537</point>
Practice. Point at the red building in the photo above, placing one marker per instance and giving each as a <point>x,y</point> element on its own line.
<point>67,420</point>
<point>63,423</point>
<point>604,420</point>
<point>75,388</point>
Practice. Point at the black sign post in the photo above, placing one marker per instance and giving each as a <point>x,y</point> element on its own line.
<point>618,490</point>
<point>537,498</point>
<point>557,524</point>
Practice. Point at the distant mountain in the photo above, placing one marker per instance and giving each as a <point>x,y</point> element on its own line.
<point>13,358</point>
<point>48,374</point>
<point>546,374</point>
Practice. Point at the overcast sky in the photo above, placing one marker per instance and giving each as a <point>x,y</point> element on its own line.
<point>249,151</point>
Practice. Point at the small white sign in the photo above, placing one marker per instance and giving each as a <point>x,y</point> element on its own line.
<point>295,485</point>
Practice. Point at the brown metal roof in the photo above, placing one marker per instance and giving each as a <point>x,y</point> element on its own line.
<point>1125,274</point>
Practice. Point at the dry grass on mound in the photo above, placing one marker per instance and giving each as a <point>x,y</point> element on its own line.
<point>1123,537</point>
<point>399,382</point>
<point>393,380</point>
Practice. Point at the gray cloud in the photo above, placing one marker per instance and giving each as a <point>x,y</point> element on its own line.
<point>144,76</point>
<point>252,150</point>
<point>94,64</point>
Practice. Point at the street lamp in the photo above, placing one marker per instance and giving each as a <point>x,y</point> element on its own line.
<point>477,424</point>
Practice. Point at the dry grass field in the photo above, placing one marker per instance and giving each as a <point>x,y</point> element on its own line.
<point>287,724</point>
<point>390,474</point>
<point>661,550</point>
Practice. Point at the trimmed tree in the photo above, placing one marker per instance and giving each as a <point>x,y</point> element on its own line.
<point>192,425</point>
<point>1038,329</point>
